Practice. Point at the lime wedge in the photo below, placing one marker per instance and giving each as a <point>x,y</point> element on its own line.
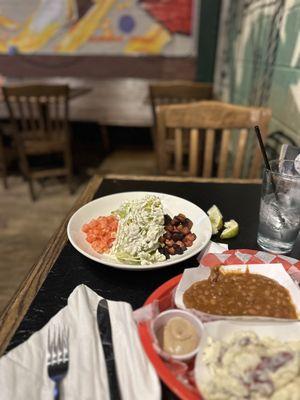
<point>216,219</point>
<point>231,231</point>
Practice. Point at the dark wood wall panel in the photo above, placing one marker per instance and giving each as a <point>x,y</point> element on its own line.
<point>98,67</point>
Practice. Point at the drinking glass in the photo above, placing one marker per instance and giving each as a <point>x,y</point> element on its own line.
<point>279,216</point>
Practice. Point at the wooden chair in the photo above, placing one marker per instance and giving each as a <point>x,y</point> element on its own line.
<point>210,128</point>
<point>177,92</point>
<point>3,161</point>
<point>39,114</point>
<point>8,152</point>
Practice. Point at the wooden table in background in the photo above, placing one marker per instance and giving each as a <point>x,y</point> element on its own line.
<point>75,93</point>
<point>111,102</point>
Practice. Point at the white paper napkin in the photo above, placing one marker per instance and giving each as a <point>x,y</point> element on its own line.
<point>23,371</point>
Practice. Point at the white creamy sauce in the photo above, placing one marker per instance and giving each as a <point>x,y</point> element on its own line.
<point>179,336</point>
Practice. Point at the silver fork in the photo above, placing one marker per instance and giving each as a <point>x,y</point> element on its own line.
<point>58,357</point>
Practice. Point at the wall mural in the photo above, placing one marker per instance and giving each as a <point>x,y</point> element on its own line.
<point>112,27</point>
<point>258,60</point>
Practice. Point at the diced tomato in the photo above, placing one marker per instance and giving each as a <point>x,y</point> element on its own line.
<point>101,232</point>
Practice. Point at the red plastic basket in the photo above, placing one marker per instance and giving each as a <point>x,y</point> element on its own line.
<point>163,295</point>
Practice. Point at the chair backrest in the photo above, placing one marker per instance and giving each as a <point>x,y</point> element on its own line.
<point>176,92</point>
<point>39,112</point>
<point>203,132</point>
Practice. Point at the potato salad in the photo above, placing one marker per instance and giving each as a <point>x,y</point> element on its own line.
<point>252,368</point>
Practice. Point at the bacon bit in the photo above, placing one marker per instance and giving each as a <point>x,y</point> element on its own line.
<point>275,362</point>
<point>101,232</point>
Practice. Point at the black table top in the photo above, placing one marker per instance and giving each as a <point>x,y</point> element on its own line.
<point>238,201</point>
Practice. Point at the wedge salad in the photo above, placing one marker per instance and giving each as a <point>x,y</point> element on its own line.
<point>141,223</point>
<point>136,232</point>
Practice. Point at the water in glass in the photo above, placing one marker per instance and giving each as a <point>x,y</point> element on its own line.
<point>279,217</point>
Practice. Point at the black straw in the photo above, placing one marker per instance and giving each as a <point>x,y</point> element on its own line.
<point>265,157</point>
<point>268,167</point>
<point>262,148</point>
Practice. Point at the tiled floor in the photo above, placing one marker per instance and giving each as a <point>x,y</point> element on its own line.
<point>26,227</point>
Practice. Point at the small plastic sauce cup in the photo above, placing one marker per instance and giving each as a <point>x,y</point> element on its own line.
<point>160,321</point>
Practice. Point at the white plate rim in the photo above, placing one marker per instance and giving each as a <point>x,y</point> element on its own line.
<point>163,264</point>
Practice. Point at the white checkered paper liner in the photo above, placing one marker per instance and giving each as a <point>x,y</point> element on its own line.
<point>244,256</point>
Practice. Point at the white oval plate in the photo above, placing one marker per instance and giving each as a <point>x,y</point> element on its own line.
<point>172,205</point>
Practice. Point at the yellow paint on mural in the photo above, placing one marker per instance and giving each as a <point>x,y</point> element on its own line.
<point>85,27</point>
<point>72,12</point>
<point>106,23</point>
<point>31,38</point>
<point>151,43</point>
<point>28,41</point>
<point>3,47</point>
<point>125,5</point>
<point>8,23</point>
